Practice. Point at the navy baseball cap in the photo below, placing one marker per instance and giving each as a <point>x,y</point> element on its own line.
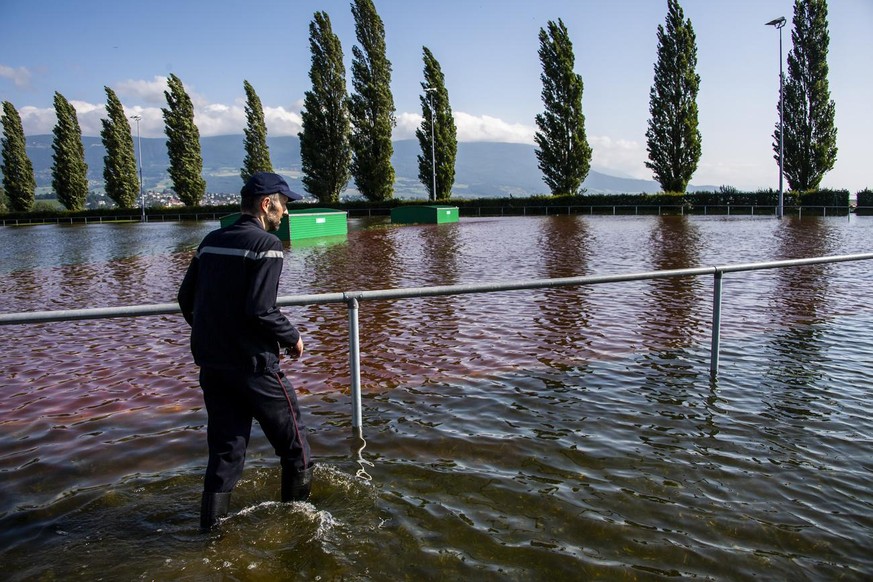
<point>266,183</point>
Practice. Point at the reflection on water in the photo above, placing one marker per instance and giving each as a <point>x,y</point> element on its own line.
<point>674,326</point>
<point>672,316</point>
<point>440,251</point>
<point>566,433</point>
<point>800,313</point>
<point>562,325</point>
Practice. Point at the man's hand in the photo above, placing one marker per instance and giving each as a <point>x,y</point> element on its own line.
<point>297,350</point>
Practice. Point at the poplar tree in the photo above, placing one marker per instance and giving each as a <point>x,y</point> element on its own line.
<point>257,151</point>
<point>810,148</point>
<point>19,182</point>
<point>183,144</point>
<point>119,163</point>
<point>371,106</point>
<point>437,135</point>
<point>673,137</point>
<point>69,172</point>
<point>324,142</point>
<point>563,152</point>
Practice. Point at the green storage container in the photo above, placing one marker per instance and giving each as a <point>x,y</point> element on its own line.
<point>305,223</point>
<point>229,219</point>
<point>316,222</point>
<point>424,214</point>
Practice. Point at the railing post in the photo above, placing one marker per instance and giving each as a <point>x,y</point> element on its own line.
<point>355,364</point>
<point>716,324</point>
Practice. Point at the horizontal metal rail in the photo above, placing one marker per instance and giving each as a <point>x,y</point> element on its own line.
<point>468,211</point>
<point>651,209</point>
<point>352,300</point>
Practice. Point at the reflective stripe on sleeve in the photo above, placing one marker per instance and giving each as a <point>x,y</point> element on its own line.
<point>245,253</point>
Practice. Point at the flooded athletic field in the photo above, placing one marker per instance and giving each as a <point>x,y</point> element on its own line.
<point>558,434</point>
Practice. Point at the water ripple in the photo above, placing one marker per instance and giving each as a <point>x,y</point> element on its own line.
<point>531,435</point>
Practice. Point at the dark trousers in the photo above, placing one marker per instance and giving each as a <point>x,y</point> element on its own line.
<point>232,400</point>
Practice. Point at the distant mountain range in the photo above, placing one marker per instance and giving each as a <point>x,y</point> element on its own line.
<point>482,169</point>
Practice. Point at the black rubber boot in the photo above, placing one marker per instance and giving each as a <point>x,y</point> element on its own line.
<point>213,506</point>
<point>296,485</point>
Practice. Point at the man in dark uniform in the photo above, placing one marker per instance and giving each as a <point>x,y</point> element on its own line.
<point>228,297</point>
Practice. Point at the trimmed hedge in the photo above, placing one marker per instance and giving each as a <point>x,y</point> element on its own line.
<point>865,203</point>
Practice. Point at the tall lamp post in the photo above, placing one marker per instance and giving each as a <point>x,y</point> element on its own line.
<point>779,23</point>
<point>139,143</point>
<point>431,91</point>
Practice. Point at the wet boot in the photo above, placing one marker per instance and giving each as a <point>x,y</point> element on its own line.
<point>296,485</point>
<point>213,506</point>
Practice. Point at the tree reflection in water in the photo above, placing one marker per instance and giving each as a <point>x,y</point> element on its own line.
<point>561,329</point>
<point>799,316</point>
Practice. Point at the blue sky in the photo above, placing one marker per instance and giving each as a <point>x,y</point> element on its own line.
<point>487,50</point>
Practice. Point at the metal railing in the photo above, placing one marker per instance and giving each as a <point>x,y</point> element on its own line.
<point>110,218</point>
<point>473,211</point>
<point>652,209</point>
<point>353,299</point>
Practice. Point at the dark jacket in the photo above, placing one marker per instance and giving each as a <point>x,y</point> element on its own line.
<point>228,297</point>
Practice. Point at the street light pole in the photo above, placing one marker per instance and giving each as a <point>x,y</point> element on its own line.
<point>431,90</point>
<point>779,23</point>
<point>141,188</point>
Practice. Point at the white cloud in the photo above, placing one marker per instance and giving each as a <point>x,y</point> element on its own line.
<point>89,116</point>
<point>619,157</point>
<point>151,123</point>
<point>470,128</point>
<point>151,92</point>
<point>217,119</point>
<point>407,123</point>
<point>487,128</point>
<point>281,121</point>
<point>20,76</point>
<point>614,156</point>
<point>37,120</point>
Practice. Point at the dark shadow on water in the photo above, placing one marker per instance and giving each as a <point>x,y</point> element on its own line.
<point>561,329</point>
<point>796,375</point>
<point>672,317</point>
<point>673,320</point>
<point>434,323</point>
<point>674,333</point>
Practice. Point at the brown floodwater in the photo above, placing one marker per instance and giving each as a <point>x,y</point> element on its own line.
<point>568,433</point>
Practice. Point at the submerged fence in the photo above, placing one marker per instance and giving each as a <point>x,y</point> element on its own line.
<point>522,209</point>
<point>353,300</point>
